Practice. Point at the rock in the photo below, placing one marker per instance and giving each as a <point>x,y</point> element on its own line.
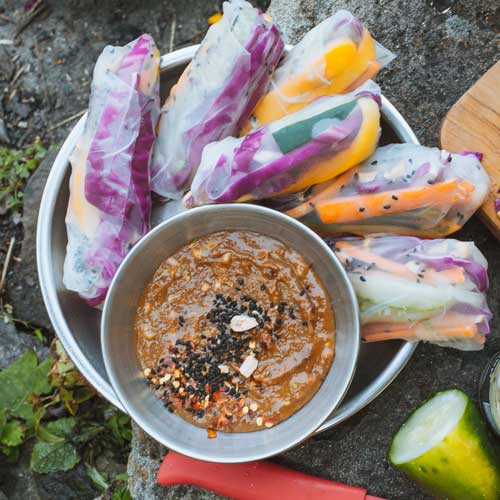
<point>294,17</point>
<point>22,283</point>
<point>143,464</point>
<point>14,344</point>
<point>19,482</point>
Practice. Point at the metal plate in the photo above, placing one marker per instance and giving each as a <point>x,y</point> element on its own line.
<point>77,325</point>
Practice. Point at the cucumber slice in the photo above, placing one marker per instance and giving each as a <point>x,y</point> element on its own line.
<point>292,136</point>
<point>446,448</point>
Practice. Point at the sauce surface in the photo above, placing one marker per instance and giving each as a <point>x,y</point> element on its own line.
<point>235,332</point>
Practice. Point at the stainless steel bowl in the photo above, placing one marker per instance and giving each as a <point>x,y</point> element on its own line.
<point>118,345</point>
<point>77,325</point>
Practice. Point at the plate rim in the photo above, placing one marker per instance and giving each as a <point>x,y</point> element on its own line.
<point>44,254</point>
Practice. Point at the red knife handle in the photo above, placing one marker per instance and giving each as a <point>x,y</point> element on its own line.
<point>262,480</point>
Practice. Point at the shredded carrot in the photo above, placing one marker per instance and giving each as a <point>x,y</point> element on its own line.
<point>453,275</point>
<point>448,325</point>
<point>346,209</point>
<point>321,192</point>
<point>452,332</point>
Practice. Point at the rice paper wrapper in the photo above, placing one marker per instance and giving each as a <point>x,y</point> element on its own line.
<point>110,199</point>
<point>413,289</point>
<point>403,188</point>
<point>335,57</point>
<point>216,93</point>
<point>322,140</point>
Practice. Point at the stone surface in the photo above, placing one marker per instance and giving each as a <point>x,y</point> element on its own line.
<point>22,285</point>
<point>19,482</point>
<point>143,464</point>
<point>14,344</point>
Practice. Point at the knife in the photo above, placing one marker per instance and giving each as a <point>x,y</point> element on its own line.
<point>260,480</point>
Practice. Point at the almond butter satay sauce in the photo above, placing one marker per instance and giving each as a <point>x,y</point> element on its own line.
<point>235,332</point>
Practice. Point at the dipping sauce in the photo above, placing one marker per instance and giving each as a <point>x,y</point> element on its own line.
<point>235,332</point>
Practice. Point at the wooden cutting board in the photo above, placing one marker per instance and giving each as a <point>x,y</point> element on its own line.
<point>473,124</point>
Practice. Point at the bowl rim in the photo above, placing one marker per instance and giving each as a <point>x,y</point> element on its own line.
<point>310,426</point>
<point>49,289</point>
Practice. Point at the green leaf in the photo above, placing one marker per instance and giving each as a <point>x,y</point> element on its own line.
<point>16,165</point>
<point>41,385</point>
<point>39,334</point>
<point>97,478</point>
<point>120,426</point>
<point>12,434</point>
<point>121,492</point>
<point>11,452</point>
<point>63,427</point>
<point>53,457</point>
<point>87,432</point>
<point>19,381</point>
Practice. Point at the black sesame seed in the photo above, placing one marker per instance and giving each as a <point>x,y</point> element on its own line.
<point>362,278</point>
<point>262,287</point>
<point>387,207</point>
<point>394,197</point>
<point>361,209</point>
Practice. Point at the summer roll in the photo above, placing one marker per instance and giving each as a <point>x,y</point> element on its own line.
<point>412,289</point>
<point>335,57</point>
<point>216,93</point>
<point>317,143</point>
<point>403,188</point>
<point>110,200</point>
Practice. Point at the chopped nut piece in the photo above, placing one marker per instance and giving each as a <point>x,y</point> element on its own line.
<point>254,406</point>
<point>205,287</point>
<point>172,262</point>
<point>211,434</point>
<point>252,344</point>
<point>259,421</point>
<point>165,378</point>
<point>147,372</point>
<point>248,366</point>
<point>245,410</point>
<point>217,285</point>
<point>176,384</point>
<point>242,323</point>
<point>196,252</point>
<point>268,424</point>
<point>223,368</point>
<point>149,333</point>
<point>226,258</point>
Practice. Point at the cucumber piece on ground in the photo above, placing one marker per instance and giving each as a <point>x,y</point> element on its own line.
<point>446,448</point>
